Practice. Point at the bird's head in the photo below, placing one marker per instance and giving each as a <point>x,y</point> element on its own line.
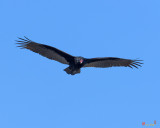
<point>79,60</point>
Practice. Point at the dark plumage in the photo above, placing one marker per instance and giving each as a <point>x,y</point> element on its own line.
<point>75,63</point>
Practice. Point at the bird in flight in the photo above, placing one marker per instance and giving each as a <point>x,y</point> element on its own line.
<point>75,63</point>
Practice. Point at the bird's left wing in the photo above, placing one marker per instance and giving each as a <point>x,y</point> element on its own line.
<point>112,61</point>
<point>45,50</point>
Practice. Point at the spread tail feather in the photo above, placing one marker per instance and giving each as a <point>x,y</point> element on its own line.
<point>68,70</point>
<point>71,71</point>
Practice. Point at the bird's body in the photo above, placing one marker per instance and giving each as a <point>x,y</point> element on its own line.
<point>75,67</point>
<point>75,63</point>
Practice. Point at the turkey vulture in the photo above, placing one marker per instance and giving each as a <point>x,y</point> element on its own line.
<point>75,63</point>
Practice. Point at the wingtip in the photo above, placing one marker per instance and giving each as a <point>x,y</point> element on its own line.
<point>136,63</point>
<point>22,42</point>
<point>26,38</point>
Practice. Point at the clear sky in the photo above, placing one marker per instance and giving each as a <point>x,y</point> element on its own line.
<point>35,92</point>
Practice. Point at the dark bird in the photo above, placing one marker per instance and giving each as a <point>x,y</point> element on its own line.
<point>75,63</point>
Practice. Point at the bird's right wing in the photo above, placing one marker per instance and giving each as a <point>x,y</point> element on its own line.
<point>111,62</point>
<point>46,51</point>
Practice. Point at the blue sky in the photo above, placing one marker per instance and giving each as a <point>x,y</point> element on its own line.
<point>35,92</point>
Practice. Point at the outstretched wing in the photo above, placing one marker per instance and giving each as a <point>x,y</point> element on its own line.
<point>112,61</point>
<point>45,50</point>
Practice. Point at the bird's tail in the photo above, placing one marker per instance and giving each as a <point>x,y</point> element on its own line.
<point>71,71</point>
<point>68,70</point>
